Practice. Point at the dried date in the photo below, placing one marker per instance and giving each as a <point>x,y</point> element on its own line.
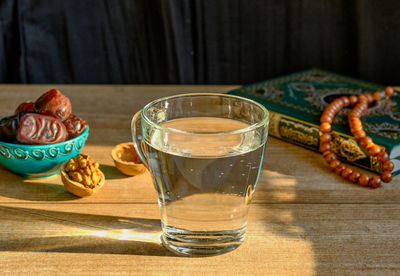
<point>74,125</point>
<point>55,104</point>
<point>36,129</point>
<point>25,107</point>
<point>9,127</point>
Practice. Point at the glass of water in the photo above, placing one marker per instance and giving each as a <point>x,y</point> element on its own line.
<point>204,152</point>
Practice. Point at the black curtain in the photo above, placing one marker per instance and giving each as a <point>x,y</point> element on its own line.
<point>196,41</point>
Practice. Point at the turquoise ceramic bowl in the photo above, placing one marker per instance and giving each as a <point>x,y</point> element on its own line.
<point>34,161</point>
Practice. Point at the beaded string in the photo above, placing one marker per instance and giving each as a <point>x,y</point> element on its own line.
<point>360,104</point>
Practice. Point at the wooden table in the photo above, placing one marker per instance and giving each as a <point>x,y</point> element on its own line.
<point>304,219</point>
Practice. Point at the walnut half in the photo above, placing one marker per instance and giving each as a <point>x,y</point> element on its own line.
<point>82,176</point>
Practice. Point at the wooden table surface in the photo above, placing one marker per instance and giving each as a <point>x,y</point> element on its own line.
<point>304,220</point>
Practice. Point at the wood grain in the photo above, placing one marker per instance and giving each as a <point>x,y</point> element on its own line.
<point>304,220</point>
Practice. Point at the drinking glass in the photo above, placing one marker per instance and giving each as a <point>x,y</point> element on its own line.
<point>204,152</point>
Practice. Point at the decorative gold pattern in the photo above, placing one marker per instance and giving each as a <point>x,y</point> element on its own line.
<point>299,136</point>
<point>273,92</point>
<point>346,148</point>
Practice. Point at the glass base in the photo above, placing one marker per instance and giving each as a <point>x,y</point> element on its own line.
<point>201,243</point>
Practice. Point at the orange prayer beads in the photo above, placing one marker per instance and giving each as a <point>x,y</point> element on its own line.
<point>360,105</point>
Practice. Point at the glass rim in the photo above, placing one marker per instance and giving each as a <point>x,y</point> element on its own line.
<point>262,122</point>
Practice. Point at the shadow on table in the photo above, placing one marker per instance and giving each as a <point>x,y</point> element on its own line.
<point>280,194</point>
<point>336,227</point>
<point>54,231</point>
<point>43,189</point>
<point>111,172</point>
<point>40,189</point>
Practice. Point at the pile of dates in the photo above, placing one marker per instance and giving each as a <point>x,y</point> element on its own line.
<point>48,120</point>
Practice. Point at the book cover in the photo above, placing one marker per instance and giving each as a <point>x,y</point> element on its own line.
<point>296,102</point>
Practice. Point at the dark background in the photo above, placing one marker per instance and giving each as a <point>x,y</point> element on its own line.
<point>204,41</point>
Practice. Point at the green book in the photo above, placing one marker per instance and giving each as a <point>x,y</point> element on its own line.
<point>296,102</point>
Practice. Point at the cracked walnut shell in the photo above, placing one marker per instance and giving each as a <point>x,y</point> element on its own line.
<point>127,160</point>
<point>82,176</point>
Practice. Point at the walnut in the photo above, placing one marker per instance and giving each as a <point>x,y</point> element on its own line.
<point>84,170</point>
<point>127,160</point>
